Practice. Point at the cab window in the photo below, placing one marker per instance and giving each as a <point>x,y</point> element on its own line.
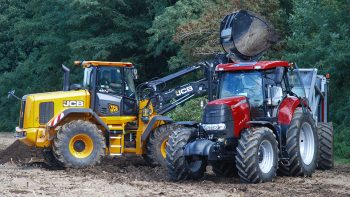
<point>110,80</point>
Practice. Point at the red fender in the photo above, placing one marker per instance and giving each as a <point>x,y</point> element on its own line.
<point>286,110</point>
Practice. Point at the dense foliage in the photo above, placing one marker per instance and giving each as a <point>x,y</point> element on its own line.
<point>161,36</point>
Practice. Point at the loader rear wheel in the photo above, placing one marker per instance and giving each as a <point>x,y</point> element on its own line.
<point>325,158</point>
<point>257,155</point>
<point>156,145</point>
<point>179,166</point>
<point>224,168</point>
<point>79,144</point>
<point>302,144</point>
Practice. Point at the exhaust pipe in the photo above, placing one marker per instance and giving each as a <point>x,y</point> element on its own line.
<point>65,78</point>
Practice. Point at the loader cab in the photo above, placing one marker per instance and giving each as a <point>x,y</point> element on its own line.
<point>111,87</point>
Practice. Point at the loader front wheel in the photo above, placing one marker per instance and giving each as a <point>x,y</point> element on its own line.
<point>257,155</point>
<point>50,158</point>
<point>179,166</point>
<point>156,145</point>
<point>325,159</point>
<point>79,144</point>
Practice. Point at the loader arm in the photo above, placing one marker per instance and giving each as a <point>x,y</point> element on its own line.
<point>166,99</point>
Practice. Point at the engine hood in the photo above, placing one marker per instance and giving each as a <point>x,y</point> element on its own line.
<point>39,108</point>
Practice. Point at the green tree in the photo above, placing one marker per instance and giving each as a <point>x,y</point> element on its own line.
<point>320,38</point>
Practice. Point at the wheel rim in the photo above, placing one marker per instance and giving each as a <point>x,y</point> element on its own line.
<point>265,155</point>
<point>81,146</point>
<point>307,143</point>
<point>163,148</point>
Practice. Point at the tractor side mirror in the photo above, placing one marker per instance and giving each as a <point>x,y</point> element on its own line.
<point>279,71</point>
<point>134,73</point>
<point>76,86</point>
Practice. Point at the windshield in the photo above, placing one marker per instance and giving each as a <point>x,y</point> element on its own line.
<point>296,83</point>
<point>247,84</point>
<point>130,90</point>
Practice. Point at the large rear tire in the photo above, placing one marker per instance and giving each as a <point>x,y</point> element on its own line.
<point>302,144</point>
<point>156,145</point>
<point>79,144</point>
<point>257,155</point>
<point>325,160</point>
<point>179,166</point>
<point>224,168</point>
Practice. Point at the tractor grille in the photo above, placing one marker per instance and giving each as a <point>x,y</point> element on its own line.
<point>21,115</point>
<point>46,111</point>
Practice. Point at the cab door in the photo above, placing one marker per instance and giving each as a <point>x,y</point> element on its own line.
<point>115,95</point>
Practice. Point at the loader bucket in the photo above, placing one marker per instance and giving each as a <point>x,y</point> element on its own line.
<point>246,36</point>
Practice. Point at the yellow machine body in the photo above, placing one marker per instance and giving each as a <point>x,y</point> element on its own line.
<point>40,112</point>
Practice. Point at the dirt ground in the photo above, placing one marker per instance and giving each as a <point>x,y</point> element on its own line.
<point>130,176</point>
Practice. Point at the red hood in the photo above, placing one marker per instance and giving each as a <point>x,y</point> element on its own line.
<point>228,101</point>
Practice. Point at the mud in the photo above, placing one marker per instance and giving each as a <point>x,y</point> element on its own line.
<point>130,176</point>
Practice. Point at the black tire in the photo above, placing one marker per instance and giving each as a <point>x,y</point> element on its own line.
<point>154,155</point>
<point>67,133</point>
<point>252,142</point>
<point>50,158</point>
<point>224,168</point>
<point>325,160</point>
<point>179,166</point>
<point>297,166</point>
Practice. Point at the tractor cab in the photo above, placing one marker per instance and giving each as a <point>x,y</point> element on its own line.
<point>264,84</point>
<point>112,87</point>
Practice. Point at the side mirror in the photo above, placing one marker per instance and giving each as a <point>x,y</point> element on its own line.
<point>76,86</point>
<point>134,73</point>
<point>279,71</point>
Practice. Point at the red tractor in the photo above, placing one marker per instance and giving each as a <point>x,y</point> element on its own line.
<point>264,119</point>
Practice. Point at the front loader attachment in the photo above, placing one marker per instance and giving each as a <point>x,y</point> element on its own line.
<point>245,35</point>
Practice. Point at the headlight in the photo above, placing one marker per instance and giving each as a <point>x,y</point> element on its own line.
<point>214,127</point>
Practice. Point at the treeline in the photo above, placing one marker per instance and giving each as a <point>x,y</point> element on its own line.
<point>161,36</point>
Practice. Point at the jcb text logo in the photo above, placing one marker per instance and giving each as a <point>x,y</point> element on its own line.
<point>113,108</point>
<point>184,90</point>
<point>73,103</point>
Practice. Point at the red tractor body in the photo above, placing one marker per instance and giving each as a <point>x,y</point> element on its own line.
<point>265,116</point>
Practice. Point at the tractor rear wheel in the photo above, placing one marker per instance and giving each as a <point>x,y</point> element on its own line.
<point>325,159</point>
<point>302,144</point>
<point>79,144</point>
<point>257,155</point>
<point>179,166</point>
<point>224,168</point>
<point>156,145</point>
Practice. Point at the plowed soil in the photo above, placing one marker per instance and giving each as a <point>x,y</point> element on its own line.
<point>22,175</point>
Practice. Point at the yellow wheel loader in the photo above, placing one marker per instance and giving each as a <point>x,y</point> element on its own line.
<point>106,114</point>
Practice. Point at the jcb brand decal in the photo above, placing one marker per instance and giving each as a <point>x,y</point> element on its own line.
<point>113,108</point>
<point>184,90</point>
<point>73,103</point>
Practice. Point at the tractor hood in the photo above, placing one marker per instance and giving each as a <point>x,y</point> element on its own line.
<point>38,109</point>
<point>233,112</point>
<point>230,102</point>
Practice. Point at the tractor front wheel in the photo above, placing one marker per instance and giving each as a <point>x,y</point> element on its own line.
<point>224,168</point>
<point>79,144</point>
<point>257,155</point>
<point>179,166</point>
